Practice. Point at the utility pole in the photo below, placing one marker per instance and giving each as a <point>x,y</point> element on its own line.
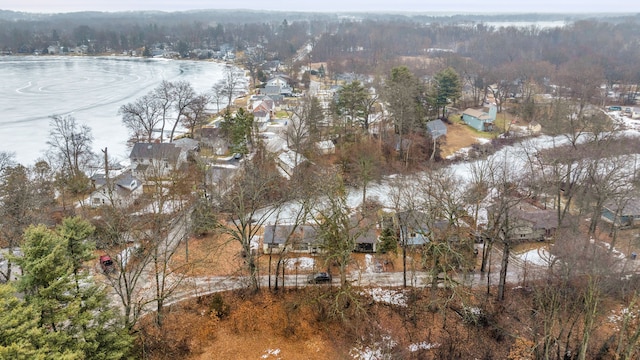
<point>106,175</point>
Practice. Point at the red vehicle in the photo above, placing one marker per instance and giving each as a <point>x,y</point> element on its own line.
<point>107,264</point>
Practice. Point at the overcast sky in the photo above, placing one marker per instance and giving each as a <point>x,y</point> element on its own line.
<point>456,6</point>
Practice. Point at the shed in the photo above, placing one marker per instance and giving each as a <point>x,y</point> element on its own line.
<point>436,128</point>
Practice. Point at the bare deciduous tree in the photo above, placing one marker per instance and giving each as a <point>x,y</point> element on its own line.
<point>142,116</point>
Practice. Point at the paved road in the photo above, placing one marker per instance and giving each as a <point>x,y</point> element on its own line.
<point>519,273</point>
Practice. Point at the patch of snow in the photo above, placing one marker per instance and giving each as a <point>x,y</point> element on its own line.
<point>126,254</point>
<point>377,351</point>
<point>255,242</point>
<point>617,253</point>
<point>371,264</point>
<point>618,317</point>
<point>474,310</point>
<point>388,296</point>
<point>423,346</point>
<point>271,352</point>
<point>539,257</point>
<point>303,263</point>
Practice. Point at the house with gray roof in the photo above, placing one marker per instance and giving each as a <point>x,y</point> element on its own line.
<point>120,191</point>
<point>155,160</point>
<point>187,145</point>
<point>528,222</point>
<point>295,238</point>
<point>414,230</point>
<point>289,161</point>
<point>212,137</point>
<point>436,128</point>
<point>277,85</point>
<point>622,213</point>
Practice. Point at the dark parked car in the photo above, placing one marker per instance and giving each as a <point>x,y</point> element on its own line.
<point>319,278</point>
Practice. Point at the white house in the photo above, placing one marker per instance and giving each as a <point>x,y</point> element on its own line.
<point>277,86</point>
<point>121,191</point>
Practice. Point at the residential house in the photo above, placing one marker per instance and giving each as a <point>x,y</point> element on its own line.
<point>625,213</point>
<point>187,145</point>
<point>219,174</point>
<point>413,228</point>
<point>278,100</point>
<point>533,224</point>
<point>436,129</point>
<point>262,113</point>
<point>365,234</point>
<point>481,120</point>
<point>278,238</point>
<point>288,161</point>
<point>212,138</point>
<point>121,191</point>
<point>529,223</point>
<point>277,85</point>
<point>54,49</point>
<point>155,160</point>
<point>295,238</point>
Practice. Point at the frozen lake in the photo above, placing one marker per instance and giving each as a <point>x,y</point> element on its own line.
<point>92,89</point>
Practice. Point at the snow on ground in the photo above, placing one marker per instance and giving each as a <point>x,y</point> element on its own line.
<point>388,296</point>
<point>617,253</point>
<point>618,317</point>
<point>539,257</point>
<point>168,207</point>
<point>371,264</point>
<point>515,157</point>
<point>376,351</point>
<point>271,352</point>
<point>302,263</point>
<point>423,346</point>
<point>126,254</point>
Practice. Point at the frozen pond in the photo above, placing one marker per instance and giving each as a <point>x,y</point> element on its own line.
<point>92,89</point>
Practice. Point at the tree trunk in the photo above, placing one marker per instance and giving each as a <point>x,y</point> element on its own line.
<point>503,270</point>
<point>270,270</point>
<point>486,249</point>
<point>404,265</point>
<point>277,275</point>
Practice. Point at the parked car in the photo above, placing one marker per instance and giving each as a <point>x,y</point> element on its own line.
<point>107,264</point>
<point>319,278</point>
